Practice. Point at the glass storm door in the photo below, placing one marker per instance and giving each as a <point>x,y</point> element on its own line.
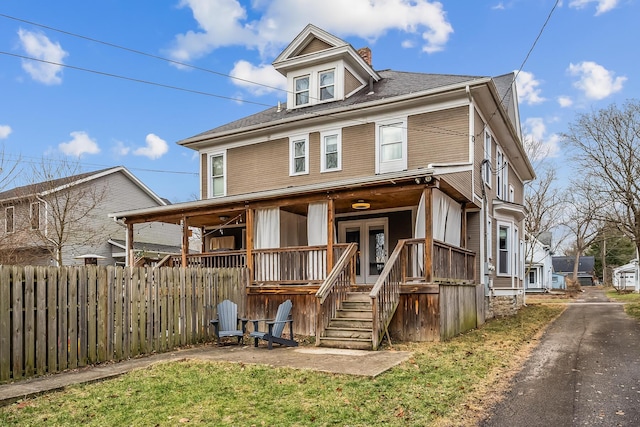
<point>371,236</point>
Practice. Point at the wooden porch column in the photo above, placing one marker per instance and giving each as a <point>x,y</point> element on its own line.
<point>130,260</point>
<point>330,227</point>
<point>249,236</point>
<point>428,234</point>
<point>185,240</point>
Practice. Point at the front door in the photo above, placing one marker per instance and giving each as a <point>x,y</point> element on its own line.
<point>371,235</point>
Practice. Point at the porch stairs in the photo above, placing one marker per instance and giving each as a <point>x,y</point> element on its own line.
<point>352,325</point>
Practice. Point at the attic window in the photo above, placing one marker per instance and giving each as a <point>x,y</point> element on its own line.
<point>302,90</point>
<point>327,89</point>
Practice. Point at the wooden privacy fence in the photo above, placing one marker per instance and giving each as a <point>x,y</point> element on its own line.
<point>57,318</point>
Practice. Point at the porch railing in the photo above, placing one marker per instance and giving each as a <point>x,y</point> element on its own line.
<point>453,264</point>
<point>279,266</point>
<point>385,294</point>
<point>335,287</point>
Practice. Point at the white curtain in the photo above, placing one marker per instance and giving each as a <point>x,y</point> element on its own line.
<point>317,223</point>
<point>267,228</point>
<point>419,233</point>
<point>267,235</point>
<point>447,218</point>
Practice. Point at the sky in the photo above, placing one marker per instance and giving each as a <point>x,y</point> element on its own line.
<point>119,82</point>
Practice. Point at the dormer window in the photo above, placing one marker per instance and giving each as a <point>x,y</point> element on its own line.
<point>302,90</point>
<point>327,89</point>
<point>315,85</point>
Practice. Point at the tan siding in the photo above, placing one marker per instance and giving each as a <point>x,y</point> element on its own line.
<point>204,175</point>
<point>272,159</point>
<point>461,181</point>
<point>518,187</point>
<point>351,83</point>
<point>474,240</point>
<point>478,152</point>
<point>438,137</point>
<point>314,45</point>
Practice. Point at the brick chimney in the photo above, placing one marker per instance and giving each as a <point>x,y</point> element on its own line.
<point>365,53</point>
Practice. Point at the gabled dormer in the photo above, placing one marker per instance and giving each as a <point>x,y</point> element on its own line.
<point>321,67</point>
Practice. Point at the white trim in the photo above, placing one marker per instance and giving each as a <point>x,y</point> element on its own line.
<point>323,147</point>
<point>487,168</point>
<point>509,250</point>
<point>397,164</point>
<point>292,165</point>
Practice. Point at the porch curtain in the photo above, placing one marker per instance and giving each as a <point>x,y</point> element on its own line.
<point>317,223</point>
<point>447,225</point>
<point>447,218</point>
<point>267,236</point>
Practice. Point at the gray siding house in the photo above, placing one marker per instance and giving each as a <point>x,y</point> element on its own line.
<point>66,220</point>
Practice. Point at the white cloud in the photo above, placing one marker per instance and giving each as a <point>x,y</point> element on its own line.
<point>528,90</point>
<point>226,23</point>
<point>565,101</point>
<point>156,147</point>
<point>602,6</point>
<point>38,46</point>
<point>268,78</point>
<point>499,6</point>
<point>120,149</point>
<point>5,131</point>
<point>595,81</point>
<point>407,44</point>
<point>81,143</point>
<point>535,131</point>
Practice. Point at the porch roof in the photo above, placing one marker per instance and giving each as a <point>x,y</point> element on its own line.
<point>399,189</point>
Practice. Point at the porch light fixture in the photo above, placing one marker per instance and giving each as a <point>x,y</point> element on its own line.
<point>361,205</point>
<point>223,218</point>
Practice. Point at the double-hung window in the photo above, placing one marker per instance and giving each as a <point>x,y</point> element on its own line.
<point>331,151</point>
<point>326,84</point>
<point>9,220</point>
<point>500,166</point>
<point>391,146</point>
<point>504,249</point>
<point>34,216</point>
<point>301,90</point>
<point>299,155</point>
<point>486,169</point>
<point>217,167</point>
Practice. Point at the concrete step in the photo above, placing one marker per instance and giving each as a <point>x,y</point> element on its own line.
<point>354,314</point>
<point>346,343</point>
<point>331,332</point>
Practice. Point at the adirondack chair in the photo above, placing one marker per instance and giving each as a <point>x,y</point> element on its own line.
<point>276,327</point>
<point>227,323</point>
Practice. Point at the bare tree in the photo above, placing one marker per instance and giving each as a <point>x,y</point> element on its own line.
<point>582,221</point>
<point>606,148</point>
<point>67,205</point>
<point>542,199</point>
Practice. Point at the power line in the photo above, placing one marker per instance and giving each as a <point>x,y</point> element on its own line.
<point>139,52</point>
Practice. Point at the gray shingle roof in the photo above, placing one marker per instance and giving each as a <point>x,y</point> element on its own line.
<point>392,84</point>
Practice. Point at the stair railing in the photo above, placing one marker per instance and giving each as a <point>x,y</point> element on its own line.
<point>334,289</point>
<point>385,294</point>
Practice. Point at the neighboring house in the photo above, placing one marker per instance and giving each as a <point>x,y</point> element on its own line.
<point>586,268</point>
<point>421,170</point>
<point>625,277</point>
<point>67,219</point>
<point>538,265</point>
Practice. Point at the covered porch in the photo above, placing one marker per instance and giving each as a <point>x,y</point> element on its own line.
<point>382,239</point>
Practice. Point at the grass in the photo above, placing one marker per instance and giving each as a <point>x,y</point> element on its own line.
<point>442,384</point>
<point>631,300</point>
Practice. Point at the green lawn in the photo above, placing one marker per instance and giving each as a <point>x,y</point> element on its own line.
<point>442,384</point>
<point>632,300</point>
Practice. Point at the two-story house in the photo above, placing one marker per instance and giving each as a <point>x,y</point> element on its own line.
<point>65,221</point>
<point>421,173</point>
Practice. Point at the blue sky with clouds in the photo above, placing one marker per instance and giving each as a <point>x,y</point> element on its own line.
<point>124,95</point>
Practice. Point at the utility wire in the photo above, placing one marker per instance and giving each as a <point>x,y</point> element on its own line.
<point>139,52</point>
